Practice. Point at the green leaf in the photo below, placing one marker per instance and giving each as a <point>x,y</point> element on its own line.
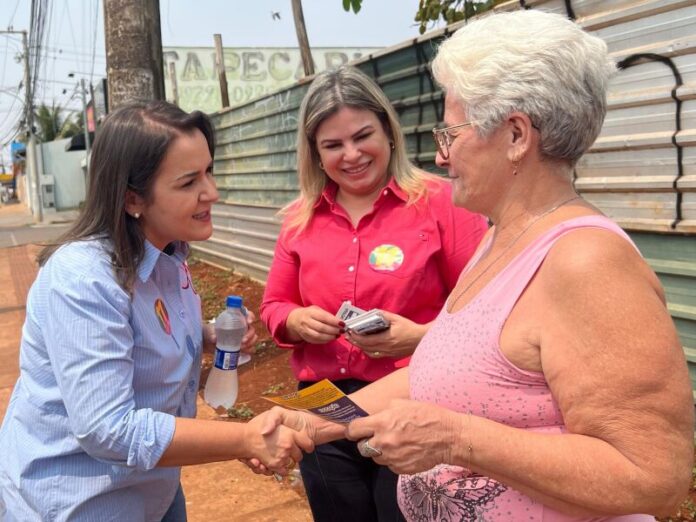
<point>346,5</point>
<point>357,4</point>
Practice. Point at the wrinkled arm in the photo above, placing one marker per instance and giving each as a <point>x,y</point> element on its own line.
<point>613,361</point>
<point>372,398</point>
<point>376,396</point>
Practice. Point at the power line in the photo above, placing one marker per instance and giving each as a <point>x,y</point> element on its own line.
<point>94,38</point>
<point>72,30</point>
<point>9,24</point>
<point>60,52</point>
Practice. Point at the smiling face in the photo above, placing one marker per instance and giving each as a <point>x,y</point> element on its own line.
<point>355,151</point>
<point>182,194</point>
<point>476,165</point>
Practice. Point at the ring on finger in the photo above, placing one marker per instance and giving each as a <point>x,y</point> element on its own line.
<point>367,450</point>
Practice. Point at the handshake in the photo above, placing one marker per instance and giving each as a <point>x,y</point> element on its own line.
<point>321,411</point>
<point>277,439</point>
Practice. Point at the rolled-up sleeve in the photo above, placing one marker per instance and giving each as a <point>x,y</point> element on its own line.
<point>282,294</point>
<point>90,345</point>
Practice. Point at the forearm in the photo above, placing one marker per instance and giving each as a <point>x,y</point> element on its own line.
<point>198,441</point>
<point>575,474</point>
<point>376,396</point>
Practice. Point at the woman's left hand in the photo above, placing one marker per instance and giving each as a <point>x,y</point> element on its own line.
<point>248,341</point>
<point>412,436</point>
<point>399,340</point>
<point>250,337</point>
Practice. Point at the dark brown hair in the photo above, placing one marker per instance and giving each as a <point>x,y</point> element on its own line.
<point>127,152</point>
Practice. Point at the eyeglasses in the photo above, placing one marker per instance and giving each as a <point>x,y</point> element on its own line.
<point>443,137</point>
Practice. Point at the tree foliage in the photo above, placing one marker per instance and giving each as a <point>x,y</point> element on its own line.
<point>451,11</point>
<point>51,125</point>
<point>355,5</point>
<point>430,11</point>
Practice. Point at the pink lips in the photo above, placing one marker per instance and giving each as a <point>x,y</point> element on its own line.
<point>358,169</point>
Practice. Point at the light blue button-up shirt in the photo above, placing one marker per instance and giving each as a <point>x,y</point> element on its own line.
<point>102,376</point>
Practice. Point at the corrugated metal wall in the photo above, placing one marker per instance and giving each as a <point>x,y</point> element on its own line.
<point>641,170</point>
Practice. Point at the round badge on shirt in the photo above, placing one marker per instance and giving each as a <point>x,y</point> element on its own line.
<point>386,258</point>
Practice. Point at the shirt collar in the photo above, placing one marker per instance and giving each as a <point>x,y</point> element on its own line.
<point>328,195</point>
<point>152,255</point>
<point>395,189</point>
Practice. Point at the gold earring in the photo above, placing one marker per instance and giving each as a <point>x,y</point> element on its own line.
<point>515,166</point>
<point>321,165</point>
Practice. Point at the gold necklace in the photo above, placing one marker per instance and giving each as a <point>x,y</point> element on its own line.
<point>512,243</point>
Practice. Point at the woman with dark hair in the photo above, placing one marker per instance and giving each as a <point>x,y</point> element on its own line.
<point>101,417</point>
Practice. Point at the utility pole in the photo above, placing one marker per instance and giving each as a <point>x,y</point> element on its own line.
<point>133,38</point>
<point>302,39</point>
<point>86,123</point>
<point>32,164</point>
<point>31,139</point>
<point>222,74</point>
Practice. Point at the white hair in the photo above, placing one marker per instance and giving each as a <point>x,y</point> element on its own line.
<point>534,62</point>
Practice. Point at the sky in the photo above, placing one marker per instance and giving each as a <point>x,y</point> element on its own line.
<point>75,38</point>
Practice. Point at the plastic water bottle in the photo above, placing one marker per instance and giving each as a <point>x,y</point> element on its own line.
<point>230,326</point>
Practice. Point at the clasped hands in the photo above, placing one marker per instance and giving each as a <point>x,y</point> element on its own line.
<point>410,436</point>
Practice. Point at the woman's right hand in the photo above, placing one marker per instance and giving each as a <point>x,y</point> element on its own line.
<point>313,325</point>
<point>277,449</point>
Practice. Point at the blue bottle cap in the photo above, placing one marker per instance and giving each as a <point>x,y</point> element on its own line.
<point>234,301</point>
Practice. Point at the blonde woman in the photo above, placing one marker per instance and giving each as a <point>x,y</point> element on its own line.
<point>368,228</point>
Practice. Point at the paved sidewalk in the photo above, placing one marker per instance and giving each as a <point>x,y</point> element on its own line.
<point>17,272</point>
<point>17,214</point>
<point>13,215</point>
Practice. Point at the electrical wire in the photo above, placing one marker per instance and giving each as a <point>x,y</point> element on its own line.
<point>94,39</point>
<point>9,24</point>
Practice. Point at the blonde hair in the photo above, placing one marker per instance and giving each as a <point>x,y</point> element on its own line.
<point>330,91</point>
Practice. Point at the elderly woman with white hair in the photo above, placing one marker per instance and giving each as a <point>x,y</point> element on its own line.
<point>552,386</point>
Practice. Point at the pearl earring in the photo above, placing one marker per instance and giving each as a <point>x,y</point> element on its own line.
<point>136,215</point>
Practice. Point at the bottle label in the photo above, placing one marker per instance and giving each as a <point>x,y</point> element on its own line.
<point>226,360</point>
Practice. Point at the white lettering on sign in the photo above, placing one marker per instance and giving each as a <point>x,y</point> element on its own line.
<point>251,73</point>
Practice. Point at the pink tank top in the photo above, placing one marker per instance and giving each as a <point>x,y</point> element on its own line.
<point>459,365</point>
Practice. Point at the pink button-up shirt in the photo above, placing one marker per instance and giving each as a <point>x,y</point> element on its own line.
<point>403,259</point>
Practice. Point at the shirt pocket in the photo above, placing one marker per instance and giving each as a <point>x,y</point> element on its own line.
<point>402,256</point>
